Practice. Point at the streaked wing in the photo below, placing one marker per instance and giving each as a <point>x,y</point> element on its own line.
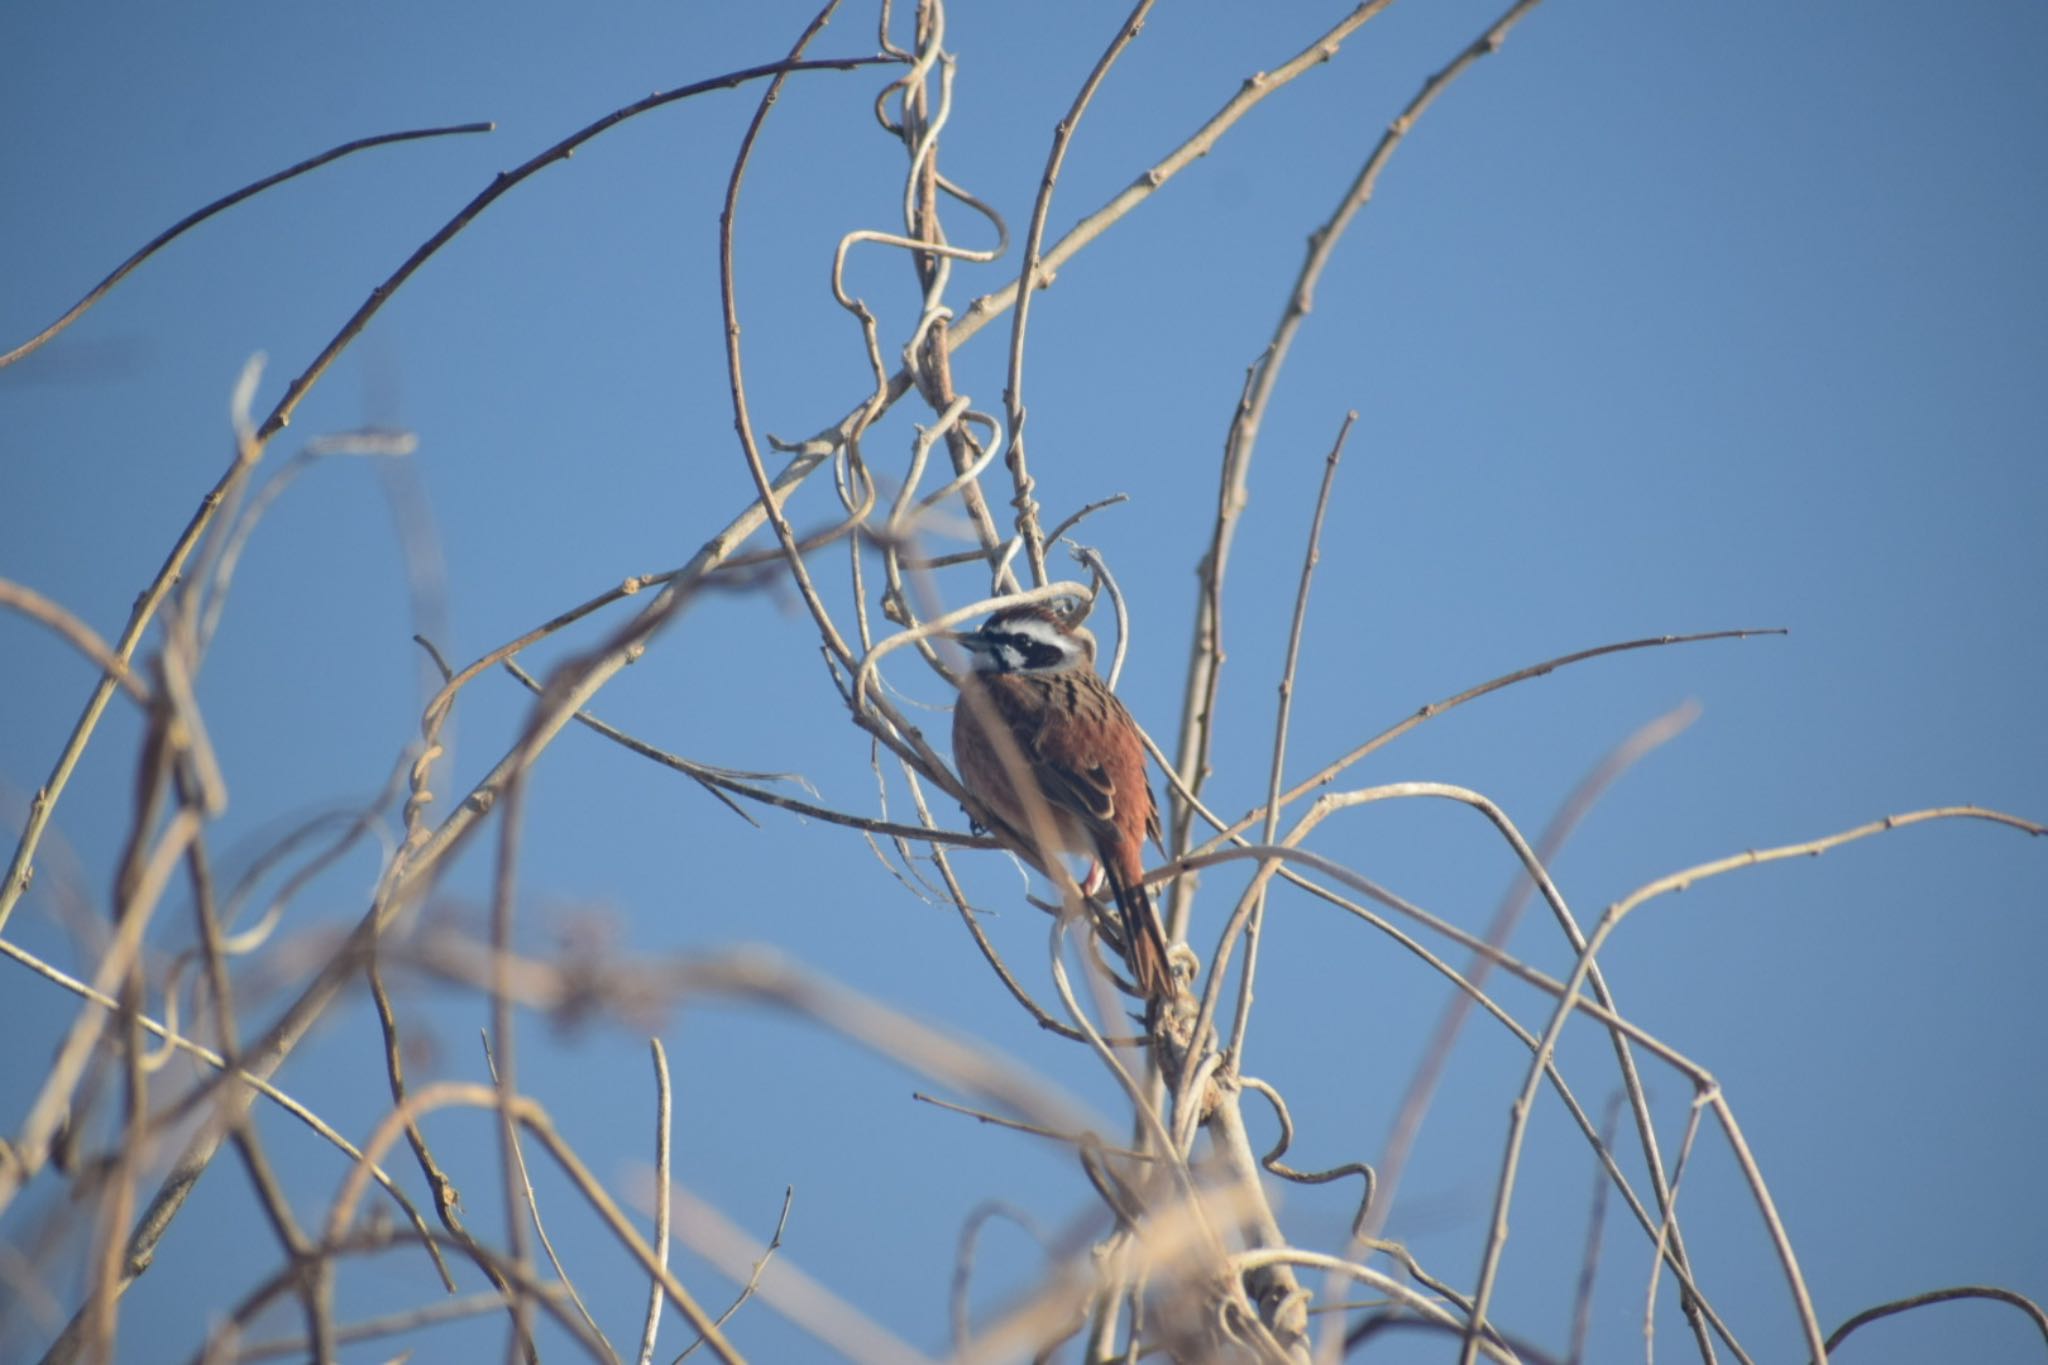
<point>1064,757</point>
<point>1088,793</point>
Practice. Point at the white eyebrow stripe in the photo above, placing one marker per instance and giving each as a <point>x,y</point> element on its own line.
<point>1039,631</point>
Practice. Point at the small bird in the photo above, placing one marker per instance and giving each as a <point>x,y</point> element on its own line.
<point>1056,764</point>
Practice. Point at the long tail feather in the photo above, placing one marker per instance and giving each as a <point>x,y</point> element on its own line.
<point>1144,940</point>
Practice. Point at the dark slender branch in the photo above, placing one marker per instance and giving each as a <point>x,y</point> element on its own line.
<point>281,416</point>
<point>195,218</point>
<point>754,1277</point>
<point>723,780</point>
<point>1933,1296</point>
<point>1034,238</point>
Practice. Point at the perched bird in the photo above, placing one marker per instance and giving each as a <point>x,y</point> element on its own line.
<point>1055,762</point>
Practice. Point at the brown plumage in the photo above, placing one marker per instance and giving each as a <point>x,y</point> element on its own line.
<point>1056,763</point>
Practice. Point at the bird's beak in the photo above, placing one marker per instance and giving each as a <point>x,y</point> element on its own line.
<point>973,643</point>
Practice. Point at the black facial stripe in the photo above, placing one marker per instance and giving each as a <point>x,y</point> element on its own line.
<point>1022,653</point>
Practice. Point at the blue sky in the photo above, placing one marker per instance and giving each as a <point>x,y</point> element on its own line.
<point>1664,319</point>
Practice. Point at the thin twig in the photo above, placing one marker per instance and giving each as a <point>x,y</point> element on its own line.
<point>390,1325</point>
<point>963,1259</point>
<point>248,451</point>
<point>743,422</point>
<point>511,1160</point>
<point>1205,664</point>
<point>223,1342</point>
<point>968,917</point>
<point>1310,557</point>
<point>1667,1224</point>
<point>662,1125</point>
<point>1415,1102</point>
<point>193,219</point>
<point>315,1291</point>
<point>842,1328</point>
<point>1034,238</point>
<point>1329,772</point>
<point>1436,1053</point>
<point>1428,1309</point>
<point>1489,1270</point>
<point>39,1126</point>
<point>532,1210</point>
<point>425,851</point>
<point>76,633</point>
<point>766,979</point>
<point>1270,1284</point>
<point>529,1115</point>
<point>988,307</point>
<point>1480,948</point>
<point>753,1283</point>
<point>215,1060</point>
<point>1035,1130</point>
<point>1271,1161</point>
<point>727,780</point>
<point>1933,1296</point>
<point>447,1202</point>
<point>1589,1259</point>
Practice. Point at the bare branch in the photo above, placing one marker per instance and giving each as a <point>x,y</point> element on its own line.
<point>77,634</point>
<point>198,216</point>
<point>1934,1296</point>
<point>661,1205</point>
<point>1310,557</point>
<point>1497,1236</point>
<point>753,1283</point>
<point>1034,238</point>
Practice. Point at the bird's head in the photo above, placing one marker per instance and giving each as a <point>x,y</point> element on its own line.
<point>1030,639</point>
